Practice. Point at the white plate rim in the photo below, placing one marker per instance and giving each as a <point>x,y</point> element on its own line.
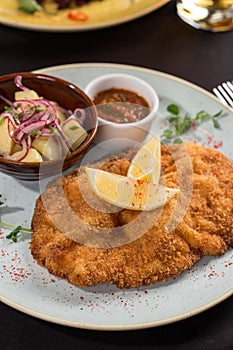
<point>50,69</point>
<point>115,327</point>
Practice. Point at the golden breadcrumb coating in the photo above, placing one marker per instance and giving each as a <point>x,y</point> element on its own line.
<point>138,248</point>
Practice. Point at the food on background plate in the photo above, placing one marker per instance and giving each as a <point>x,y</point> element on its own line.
<point>33,129</point>
<point>92,14</point>
<point>121,105</point>
<point>49,6</point>
<point>157,254</point>
<point>53,7</point>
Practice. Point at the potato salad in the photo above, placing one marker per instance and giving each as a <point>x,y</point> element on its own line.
<point>33,129</point>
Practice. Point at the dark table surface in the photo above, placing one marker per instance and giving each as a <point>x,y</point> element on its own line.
<point>163,42</point>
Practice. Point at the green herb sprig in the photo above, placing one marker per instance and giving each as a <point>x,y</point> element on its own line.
<point>29,6</point>
<point>13,235</point>
<point>180,124</point>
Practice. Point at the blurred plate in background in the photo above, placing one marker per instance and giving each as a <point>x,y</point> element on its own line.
<point>100,14</point>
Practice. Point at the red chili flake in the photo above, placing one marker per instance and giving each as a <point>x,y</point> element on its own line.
<point>78,15</point>
<point>218,144</point>
<point>138,182</point>
<point>210,140</point>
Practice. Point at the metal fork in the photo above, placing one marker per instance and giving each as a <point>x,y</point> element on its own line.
<point>224,92</point>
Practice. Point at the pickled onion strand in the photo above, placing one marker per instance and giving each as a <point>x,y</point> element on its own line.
<point>18,83</point>
<point>28,127</point>
<point>6,100</point>
<point>58,128</point>
<point>25,106</point>
<point>25,150</point>
<point>9,117</point>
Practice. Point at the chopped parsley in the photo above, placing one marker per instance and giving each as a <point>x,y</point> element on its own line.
<point>2,119</point>
<point>35,132</point>
<point>54,130</point>
<point>75,127</point>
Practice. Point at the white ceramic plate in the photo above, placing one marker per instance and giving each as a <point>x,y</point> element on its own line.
<point>29,288</point>
<point>105,13</point>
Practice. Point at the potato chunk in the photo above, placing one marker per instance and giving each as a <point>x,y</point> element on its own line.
<point>32,156</point>
<point>6,143</point>
<point>48,147</point>
<point>26,95</point>
<point>74,132</point>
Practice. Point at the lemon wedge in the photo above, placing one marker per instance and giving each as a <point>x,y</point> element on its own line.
<point>128,193</point>
<point>145,165</point>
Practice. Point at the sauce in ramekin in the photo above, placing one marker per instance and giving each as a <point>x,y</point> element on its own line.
<point>121,105</point>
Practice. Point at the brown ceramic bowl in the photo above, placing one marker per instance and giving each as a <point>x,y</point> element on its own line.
<point>66,95</point>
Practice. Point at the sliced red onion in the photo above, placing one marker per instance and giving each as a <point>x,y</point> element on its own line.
<point>10,132</point>
<point>9,117</point>
<point>24,154</point>
<point>57,126</point>
<point>33,126</point>
<point>18,83</point>
<point>48,104</point>
<point>80,115</point>
<point>25,106</point>
<point>25,150</point>
<point>25,129</point>
<point>46,132</point>
<point>48,118</point>
<point>6,100</point>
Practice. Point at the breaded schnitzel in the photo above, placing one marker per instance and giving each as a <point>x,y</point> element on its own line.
<point>79,237</point>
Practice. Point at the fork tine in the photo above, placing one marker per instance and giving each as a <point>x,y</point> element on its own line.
<point>225,93</point>
<point>219,95</point>
<point>230,87</point>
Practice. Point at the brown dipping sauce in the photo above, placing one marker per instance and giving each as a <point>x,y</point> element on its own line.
<point>121,106</point>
